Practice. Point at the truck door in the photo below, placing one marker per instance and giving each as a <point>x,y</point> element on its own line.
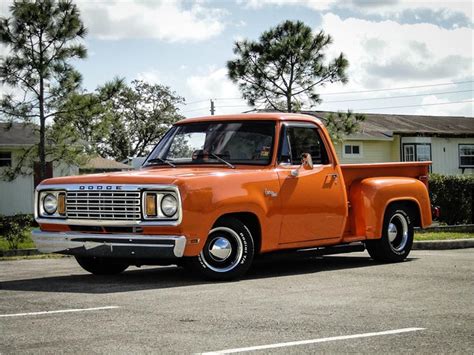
<point>313,204</point>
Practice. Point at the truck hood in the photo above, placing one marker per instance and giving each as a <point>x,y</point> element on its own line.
<point>149,176</point>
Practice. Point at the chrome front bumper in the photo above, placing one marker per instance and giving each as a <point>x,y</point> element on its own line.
<point>110,245</point>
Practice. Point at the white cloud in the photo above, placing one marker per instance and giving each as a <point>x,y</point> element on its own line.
<point>214,85</point>
<point>387,54</point>
<point>164,20</point>
<point>384,8</point>
<point>313,4</point>
<point>152,76</point>
<point>389,8</point>
<point>454,109</point>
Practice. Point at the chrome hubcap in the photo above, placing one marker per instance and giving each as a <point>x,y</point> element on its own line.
<point>224,251</point>
<point>397,232</point>
<point>392,232</point>
<point>220,249</point>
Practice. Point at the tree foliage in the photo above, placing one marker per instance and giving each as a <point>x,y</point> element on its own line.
<point>42,38</point>
<point>283,69</point>
<point>128,124</point>
<point>340,124</point>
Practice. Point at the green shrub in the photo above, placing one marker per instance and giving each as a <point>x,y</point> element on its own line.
<point>14,229</point>
<point>454,195</point>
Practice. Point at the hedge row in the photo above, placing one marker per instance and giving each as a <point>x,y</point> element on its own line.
<point>454,195</point>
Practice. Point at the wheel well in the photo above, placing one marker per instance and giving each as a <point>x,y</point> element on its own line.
<point>252,223</point>
<point>412,209</point>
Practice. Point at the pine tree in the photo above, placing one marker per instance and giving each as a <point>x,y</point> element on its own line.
<point>42,37</point>
<point>283,69</point>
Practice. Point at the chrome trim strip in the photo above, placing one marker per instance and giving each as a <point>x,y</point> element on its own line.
<point>51,242</point>
<point>109,187</point>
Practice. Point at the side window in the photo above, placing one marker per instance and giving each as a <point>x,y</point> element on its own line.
<point>298,140</point>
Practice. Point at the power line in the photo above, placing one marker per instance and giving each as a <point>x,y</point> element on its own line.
<point>407,106</point>
<point>398,88</point>
<point>354,92</point>
<point>196,109</point>
<point>227,106</point>
<point>195,102</point>
<point>397,97</point>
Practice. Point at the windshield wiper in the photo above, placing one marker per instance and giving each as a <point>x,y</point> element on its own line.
<point>160,160</point>
<point>215,156</point>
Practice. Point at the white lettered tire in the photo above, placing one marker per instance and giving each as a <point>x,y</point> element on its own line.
<point>227,253</point>
<point>397,235</point>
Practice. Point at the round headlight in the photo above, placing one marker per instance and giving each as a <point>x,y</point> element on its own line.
<point>50,203</point>
<point>169,205</point>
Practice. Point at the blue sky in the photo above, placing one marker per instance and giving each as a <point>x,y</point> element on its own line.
<point>390,44</point>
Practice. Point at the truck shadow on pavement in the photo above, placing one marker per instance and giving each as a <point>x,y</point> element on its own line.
<point>172,276</point>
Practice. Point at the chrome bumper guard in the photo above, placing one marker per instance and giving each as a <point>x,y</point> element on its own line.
<point>110,245</point>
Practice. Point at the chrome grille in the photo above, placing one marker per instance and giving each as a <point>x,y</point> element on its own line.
<point>115,205</point>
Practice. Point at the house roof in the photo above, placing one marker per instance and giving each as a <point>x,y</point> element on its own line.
<point>17,134</point>
<point>383,126</point>
<point>99,163</point>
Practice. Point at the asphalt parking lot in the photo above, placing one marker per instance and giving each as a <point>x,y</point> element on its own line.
<point>333,304</point>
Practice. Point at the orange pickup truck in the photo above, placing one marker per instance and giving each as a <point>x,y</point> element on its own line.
<point>218,191</point>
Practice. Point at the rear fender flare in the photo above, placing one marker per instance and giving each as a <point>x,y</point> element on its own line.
<point>370,198</point>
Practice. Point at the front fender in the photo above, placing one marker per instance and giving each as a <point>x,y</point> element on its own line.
<point>371,196</point>
<point>205,202</point>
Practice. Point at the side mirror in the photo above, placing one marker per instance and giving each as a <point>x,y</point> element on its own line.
<point>306,163</point>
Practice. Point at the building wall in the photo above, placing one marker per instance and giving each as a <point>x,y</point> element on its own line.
<point>444,152</point>
<point>371,152</point>
<point>445,155</point>
<point>17,196</point>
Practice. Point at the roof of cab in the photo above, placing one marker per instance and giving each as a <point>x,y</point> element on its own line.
<point>273,116</point>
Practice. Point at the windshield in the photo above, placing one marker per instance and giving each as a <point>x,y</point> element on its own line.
<point>246,142</point>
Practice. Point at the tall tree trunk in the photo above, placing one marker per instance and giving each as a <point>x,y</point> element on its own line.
<point>289,105</point>
<point>41,147</point>
<point>42,143</point>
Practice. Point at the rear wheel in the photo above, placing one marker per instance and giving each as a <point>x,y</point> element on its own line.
<point>101,266</point>
<point>227,253</point>
<point>397,235</point>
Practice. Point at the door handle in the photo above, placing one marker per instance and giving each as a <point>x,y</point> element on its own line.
<point>334,176</point>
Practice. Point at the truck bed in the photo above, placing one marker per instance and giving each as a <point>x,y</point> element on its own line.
<point>354,172</point>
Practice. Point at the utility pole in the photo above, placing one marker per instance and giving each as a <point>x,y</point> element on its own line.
<point>212,107</point>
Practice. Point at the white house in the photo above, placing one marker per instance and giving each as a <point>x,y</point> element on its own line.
<point>445,140</point>
<point>17,196</point>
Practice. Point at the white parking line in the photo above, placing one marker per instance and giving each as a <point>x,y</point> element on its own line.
<point>313,341</point>
<point>58,311</point>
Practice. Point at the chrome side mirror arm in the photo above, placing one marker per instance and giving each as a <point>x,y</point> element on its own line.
<point>306,163</point>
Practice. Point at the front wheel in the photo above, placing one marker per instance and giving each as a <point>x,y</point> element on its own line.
<point>101,266</point>
<point>227,253</point>
<point>397,236</point>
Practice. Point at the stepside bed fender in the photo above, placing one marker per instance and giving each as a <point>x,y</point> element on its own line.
<point>370,198</point>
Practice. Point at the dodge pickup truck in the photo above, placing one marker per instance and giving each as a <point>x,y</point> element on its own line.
<point>216,192</point>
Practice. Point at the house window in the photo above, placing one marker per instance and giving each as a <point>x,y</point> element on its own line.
<point>409,152</point>
<point>5,159</point>
<point>417,152</point>
<point>352,150</point>
<point>466,155</point>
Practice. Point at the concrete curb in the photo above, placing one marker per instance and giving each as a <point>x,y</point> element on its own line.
<point>443,244</point>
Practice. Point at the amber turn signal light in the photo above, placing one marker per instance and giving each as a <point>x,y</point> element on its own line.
<point>151,205</point>
<point>62,203</point>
